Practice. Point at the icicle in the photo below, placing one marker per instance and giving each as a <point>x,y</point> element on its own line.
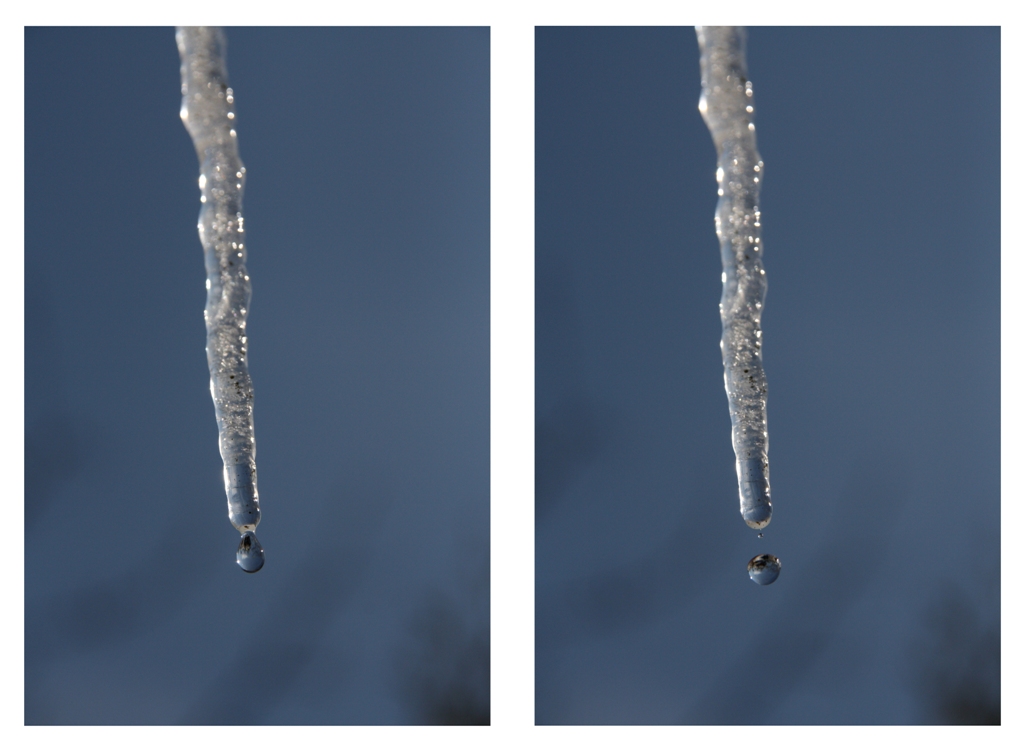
<point>727,104</point>
<point>207,109</point>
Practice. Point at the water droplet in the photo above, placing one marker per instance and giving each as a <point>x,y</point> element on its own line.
<point>250,554</point>
<point>760,535</point>
<point>764,568</point>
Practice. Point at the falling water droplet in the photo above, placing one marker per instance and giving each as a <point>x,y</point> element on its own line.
<point>250,553</point>
<point>764,568</point>
<point>760,535</point>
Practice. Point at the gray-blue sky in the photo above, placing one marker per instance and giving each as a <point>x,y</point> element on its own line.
<point>881,231</point>
<point>367,209</point>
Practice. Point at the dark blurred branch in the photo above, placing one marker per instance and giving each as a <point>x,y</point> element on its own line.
<point>446,673</point>
<point>958,663</point>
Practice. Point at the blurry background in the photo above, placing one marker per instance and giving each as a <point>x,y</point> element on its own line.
<point>881,228</point>
<point>367,208</point>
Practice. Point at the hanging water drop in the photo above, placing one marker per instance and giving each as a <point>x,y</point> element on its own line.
<point>250,553</point>
<point>764,568</point>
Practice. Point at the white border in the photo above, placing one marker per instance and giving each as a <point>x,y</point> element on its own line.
<point>512,320</point>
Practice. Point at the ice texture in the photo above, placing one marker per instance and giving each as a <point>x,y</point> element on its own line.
<point>207,109</point>
<point>727,105</point>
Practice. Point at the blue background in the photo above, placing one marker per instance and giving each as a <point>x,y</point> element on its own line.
<point>880,207</point>
<point>367,209</point>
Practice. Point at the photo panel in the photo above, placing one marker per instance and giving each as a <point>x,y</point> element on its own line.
<point>879,226</point>
<point>367,239</point>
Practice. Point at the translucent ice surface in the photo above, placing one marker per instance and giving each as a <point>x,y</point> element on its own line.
<point>764,568</point>
<point>208,112</point>
<point>727,105</point>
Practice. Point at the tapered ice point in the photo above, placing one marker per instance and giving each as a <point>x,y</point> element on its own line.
<point>727,106</point>
<point>208,112</point>
<point>759,516</point>
<point>243,498</point>
<point>755,493</point>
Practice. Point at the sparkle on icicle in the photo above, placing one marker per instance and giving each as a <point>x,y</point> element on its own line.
<point>727,106</point>
<point>208,113</point>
